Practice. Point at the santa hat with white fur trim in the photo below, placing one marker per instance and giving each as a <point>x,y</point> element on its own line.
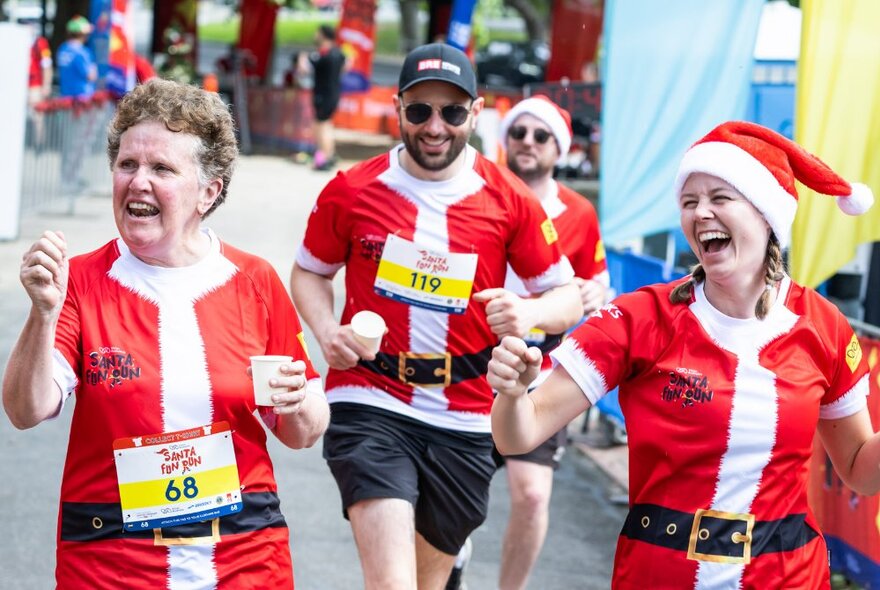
<point>763,165</point>
<point>540,106</point>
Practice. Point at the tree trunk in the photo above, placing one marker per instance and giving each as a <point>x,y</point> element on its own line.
<point>410,36</point>
<point>532,17</point>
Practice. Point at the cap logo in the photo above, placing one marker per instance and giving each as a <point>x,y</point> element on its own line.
<point>437,64</point>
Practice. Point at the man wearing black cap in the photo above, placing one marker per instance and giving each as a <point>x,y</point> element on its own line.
<point>425,233</point>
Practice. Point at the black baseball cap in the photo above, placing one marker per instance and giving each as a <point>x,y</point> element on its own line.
<point>438,61</point>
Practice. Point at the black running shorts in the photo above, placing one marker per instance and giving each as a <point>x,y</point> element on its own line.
<point>325,106</point>
<point>444,474</point>
<point>547,453</point>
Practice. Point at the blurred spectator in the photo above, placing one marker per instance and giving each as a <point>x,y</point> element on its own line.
<point>299,75</point>
<point>235,69</point>
<point>237,58</point>
<point>328,63</point>
<point>39,81</point>
<point>77,71</point>
<point>40,75</point>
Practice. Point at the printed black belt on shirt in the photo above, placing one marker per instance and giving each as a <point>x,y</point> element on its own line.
<point>711,535</point>
<point>84,521</point>
<point>430,369</point>
<point>551,341</point>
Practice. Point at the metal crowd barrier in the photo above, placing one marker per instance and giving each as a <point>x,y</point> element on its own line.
<point>65,153</point>
<point>869,330</point>
<point>280,119</point>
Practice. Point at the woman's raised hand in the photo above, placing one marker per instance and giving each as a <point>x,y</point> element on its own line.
<point>44,272</point>
<point>513,366</point>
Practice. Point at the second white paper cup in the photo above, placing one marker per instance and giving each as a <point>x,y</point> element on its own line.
<point>264,368</point>
<point>368,328</point>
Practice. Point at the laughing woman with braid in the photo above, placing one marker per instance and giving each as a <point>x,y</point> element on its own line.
<point>724,378</point>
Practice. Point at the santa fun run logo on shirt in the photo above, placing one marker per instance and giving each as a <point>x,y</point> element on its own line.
<point>688,386</point>
<point>372,247</point>
<point>110,365</point>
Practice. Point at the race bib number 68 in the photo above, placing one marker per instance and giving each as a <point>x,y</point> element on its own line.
<point>174,478</point>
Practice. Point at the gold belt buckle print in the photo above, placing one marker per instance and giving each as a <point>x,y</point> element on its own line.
<point>212,539</point>
<point>699,533</point>
<point>405,372</point>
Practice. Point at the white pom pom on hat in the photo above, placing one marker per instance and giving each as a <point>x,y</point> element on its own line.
<point>859,200</point>
<point>557,119</point>
<point>764,165</point>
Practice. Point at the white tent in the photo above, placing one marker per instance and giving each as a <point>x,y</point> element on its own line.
<point>779,32</point>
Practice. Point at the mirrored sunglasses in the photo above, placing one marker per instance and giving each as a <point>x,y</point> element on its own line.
<point>519,133</point>
<point>453,114</point>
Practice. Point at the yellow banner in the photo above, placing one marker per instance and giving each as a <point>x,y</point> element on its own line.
<point>837,112</point>
<point>203,484</point>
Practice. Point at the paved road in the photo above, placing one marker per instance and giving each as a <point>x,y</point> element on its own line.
<point>266,214</point>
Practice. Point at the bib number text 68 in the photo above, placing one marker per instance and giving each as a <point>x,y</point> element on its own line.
<point>173,493</point>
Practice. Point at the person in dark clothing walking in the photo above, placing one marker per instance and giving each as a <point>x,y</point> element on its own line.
<point>327,63</point>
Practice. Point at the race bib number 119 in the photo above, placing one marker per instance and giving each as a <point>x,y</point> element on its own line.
<point>441,281</point>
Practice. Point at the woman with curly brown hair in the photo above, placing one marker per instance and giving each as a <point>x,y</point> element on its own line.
<point>167,483</point>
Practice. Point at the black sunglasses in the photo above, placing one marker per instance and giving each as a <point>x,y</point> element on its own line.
<point>453,114</point>
<point>519,133</point>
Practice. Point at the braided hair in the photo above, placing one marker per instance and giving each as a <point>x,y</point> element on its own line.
<point>774,271</point>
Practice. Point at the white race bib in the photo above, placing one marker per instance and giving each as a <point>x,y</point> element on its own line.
<point>440,281</point>
<point>175,478</point>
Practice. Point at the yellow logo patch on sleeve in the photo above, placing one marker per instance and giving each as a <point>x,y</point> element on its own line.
<point>549,231</point>
<point>600,251</point>
<point>302,342</point>
<point>853,354</point>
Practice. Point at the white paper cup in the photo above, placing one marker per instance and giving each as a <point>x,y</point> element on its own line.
<point>264,368</point>
<point>368,328</point>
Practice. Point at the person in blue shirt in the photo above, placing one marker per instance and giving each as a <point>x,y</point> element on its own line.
<point>77,73</point>
<point>77,70</point>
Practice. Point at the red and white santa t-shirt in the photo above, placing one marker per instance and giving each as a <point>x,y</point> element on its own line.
<point>721,414</point>
<point>576,221</point>
<point>150,350</point>
<point>414,252</point>
<point>577,224</point>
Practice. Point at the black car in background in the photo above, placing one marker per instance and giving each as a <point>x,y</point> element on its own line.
<point>512,64</point>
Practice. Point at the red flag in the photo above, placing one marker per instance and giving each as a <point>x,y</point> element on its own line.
<point>257,33</point>
<point>356,37</point>
<point>576,28</point>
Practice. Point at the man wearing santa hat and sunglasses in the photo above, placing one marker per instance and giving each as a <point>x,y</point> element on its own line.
<point>537,134</point>
<point>425,233</point>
